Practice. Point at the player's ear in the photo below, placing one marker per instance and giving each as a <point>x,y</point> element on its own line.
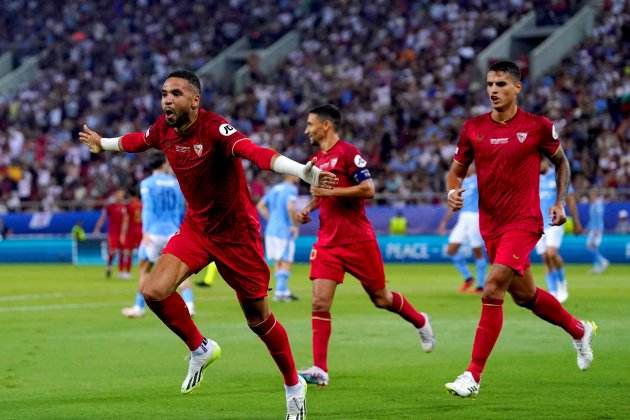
<point>195,101</point>
<point>518,85</point>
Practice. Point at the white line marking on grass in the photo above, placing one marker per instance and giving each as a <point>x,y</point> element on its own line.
<point>52,295</point>
<point>59,307</point>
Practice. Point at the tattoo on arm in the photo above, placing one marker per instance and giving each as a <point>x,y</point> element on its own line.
<point>563,174</point>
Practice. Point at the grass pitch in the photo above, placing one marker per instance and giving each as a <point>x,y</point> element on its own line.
<point>66,352</point>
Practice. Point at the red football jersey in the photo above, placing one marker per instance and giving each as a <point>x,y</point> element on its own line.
<point>115,213</point>
<point>206,162</point>
<point>507,159</point>
<point>134,209</point>
<point>342,220</point>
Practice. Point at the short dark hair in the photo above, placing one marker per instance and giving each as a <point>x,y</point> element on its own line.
<point>506,67</point>
<point>156,160</point>
<point>188,75</point>
<point>327,112</point>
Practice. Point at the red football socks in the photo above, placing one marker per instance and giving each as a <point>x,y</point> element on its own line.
<point>486,336</point>
<point>273,334</point>
<point>173,312</point>
<point>402,307</point>
<point>548,308</point>
<point>321,323</point>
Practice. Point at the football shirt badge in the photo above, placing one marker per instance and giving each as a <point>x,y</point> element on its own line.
<point>521,137</point>
<point>198,149</point>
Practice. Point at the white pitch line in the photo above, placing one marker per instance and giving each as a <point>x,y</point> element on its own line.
<point>52,295</point>
<point>58,307</point>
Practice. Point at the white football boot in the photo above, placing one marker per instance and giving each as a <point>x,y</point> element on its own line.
<point>314,375</point>
<point>296,402</point>
<point>463,386</point>
<point>427,338</point>
<point>583,345</point>
<point>198,363</point>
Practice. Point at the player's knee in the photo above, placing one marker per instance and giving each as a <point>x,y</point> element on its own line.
<point>380,301</point>
<point>150,292</point>
<point>320,304</point>
<point>525,300</point>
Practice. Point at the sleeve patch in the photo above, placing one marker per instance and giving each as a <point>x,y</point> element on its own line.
<point>361,175</point>
<point>226,130</point>
<point>359,162</point>
<point>554,132</point>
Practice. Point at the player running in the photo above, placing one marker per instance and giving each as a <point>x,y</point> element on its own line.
<point>466,231</point>
<point>506,146</point>
<point>162,212</point>
<point>220,224</point>
<point>596,231</point>
<point>548,245</point>
<point>114,212</point>
<point>278,207</point>
<point>346,242</point>
<point>132,225</point>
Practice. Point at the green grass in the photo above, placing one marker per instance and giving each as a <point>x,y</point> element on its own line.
<point>66,352</point>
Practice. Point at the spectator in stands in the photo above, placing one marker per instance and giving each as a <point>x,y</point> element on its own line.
<point>623,226</point>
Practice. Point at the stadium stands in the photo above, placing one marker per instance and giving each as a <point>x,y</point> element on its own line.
<point>402,72</point>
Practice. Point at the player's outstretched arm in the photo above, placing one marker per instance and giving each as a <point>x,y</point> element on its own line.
<point>563,173</point>
<point>309,173</point>
<point>132,142</point>
<point>454,178</point>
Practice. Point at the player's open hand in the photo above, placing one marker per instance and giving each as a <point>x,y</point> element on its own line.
<point>303,216</point>
<point>91,139</point>
<point>455,199</point>
<point>558,217</point>
<point>319,178</point>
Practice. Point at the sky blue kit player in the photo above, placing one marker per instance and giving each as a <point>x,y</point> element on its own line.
<point>596,231</point>
<point>278,207</point>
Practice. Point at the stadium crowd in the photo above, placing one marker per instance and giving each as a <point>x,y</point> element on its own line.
<point>402,72</point>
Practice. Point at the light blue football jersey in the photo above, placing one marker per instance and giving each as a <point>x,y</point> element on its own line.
<point>277,200</point>
<point>548,194</point>
<point>471,194</point>
<point>596,215</point>
<point>162,204</point>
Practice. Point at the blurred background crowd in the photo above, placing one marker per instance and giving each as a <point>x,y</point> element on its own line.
<point>401,71</point>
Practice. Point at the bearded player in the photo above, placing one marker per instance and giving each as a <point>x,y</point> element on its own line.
<point>346,242</point>
<point>506,146</point>
<point>220,224</point>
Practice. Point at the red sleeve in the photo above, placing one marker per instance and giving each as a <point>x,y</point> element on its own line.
<point>261,156</point>
<point>464,151</point>
<point>134,142</point>
<point>236,144</point>
<point>549,139</point>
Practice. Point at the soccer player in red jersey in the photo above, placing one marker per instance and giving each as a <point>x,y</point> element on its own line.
<point>132,225</point>
<point>346,242</point>
<point>115,213</point>
<point>220,224</point>
<point>506,146</point>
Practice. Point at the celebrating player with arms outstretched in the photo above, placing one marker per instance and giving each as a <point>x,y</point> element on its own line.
<point>346,242</point>
<point>506,146</point>
<point>220,224</point>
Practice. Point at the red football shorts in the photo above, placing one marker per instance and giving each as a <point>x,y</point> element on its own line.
<point>132,241</point>
<point>361,259</point>
<point>113,242</point>
<point>241,265</point>
<point>512,249</point>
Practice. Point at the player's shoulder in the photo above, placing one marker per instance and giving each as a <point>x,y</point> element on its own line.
<point>536,119</point>
<point>348,148</point>
<point>476,121</point>
<point>159,127</point>
<point>216,124</point>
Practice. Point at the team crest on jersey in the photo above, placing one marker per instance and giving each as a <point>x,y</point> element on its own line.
<point>359,161</point>
<point>521,137</point>
<point>333,162</point>
<point>198,149</point>
<point>226,130</point>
